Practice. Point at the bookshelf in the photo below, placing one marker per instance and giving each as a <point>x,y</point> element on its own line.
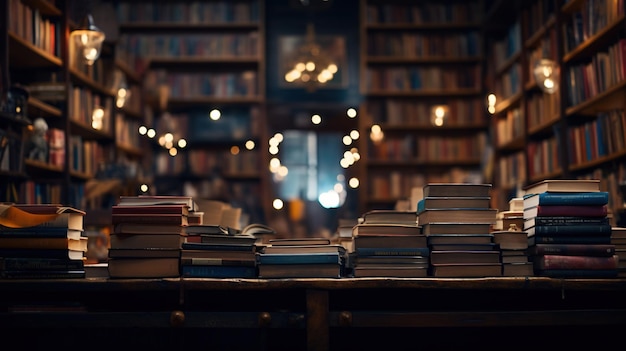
<point>415,58</point>
<point>205,56</point>
<point>577,131</point>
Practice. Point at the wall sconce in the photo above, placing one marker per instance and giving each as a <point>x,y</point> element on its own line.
<point>546,74</point>
<point>88,40</point>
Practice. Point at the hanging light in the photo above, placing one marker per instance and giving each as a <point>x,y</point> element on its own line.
<point>311,65</point>
<point>546,74</point>
<point>88,40</point>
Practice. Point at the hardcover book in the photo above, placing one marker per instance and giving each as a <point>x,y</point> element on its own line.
<point>435,239</point>
<point>392,251</point>
<point>562,239</point>
<point>173,219</point>
<point>448,227</point>
<point>564,220</point>
<point>570,230</point>
<point>573,249</point>
<point>146,267</point>
<point>373,240</point>
<point>390,216</point>
<point>465,270</point>
<point>578,198</point>
<point>302,258</point>
<point>41,232</point>
<point>563,185</point>
<point>218,271</point>
<point>511,240</point>
<point>384,271</point>
<point>453,202</point>
<point>173,209</point>
<point>518,269</point>
<point>551,261</point>
<point>149,200</point>
<point>323,270</point>
<point>566,210</point>
<point>41,215</point>
<point>40,263</point>
<point>577,273</point>
<point>144,253</point>
<point>148,228</point>
<point>465,256</point>
<point>139,241</point>
<point>59,243</point>
<point>457,189</point>
<point>386,228</point>
<point>478,215</point>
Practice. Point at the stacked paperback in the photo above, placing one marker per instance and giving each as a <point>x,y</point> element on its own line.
<point>301,258</point>
<point>389,243</point>
<point>512,241</point>
<point>148,232</point>
<point>568,229</point>
<point>457,219</point>
<point>42,241</point>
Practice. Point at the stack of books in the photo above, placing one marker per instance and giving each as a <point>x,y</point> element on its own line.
<point>147,236</point>
<point>568,229</point>
<point>301,258</point>
<point>457,219</point>
<point>390,243</point>
<point>42,241</point>
<point>512,241</point>
<point>214,251</point>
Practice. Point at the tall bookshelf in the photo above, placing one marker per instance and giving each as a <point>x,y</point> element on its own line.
<point>577,131</point>
<point>414,58</point>
<point>205,56</point>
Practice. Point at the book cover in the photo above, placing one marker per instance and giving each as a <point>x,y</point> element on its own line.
<point>44,243</point>
<point>218,247</point>
<point>390,216</point>
<point>386,228</point>
<point>299,241</point>
<point>566,210</point>
<point>174,219</point>
<point>573,249</point>
<point>563,185</point>
<point>373,240</point>
<point>456,189</point>
<point>206,229</point>
<point>562,239</point>
<point>146,267</point>
<point>175,209</point>
<point>218,261</point>
<point>453,202</point>
<point>465,256</point>
<point>41,232</point>
<point>218,254</point>
<point>43,274</point>
<point>570,230</point>
<point>435,239</point>
<point>144,253</point>
<point>139,241</point>
<point>324,270</point>
<point>510,240</point>
<point>551,261</point>
<point>332,248</point>
<point>391,260</point>
<point>465,270</point>
<point>148,200</point>
<point>40,263</point>
<point>392,251</point>
<point>447,227</point>
<point>564,220</point>
<point>518,269</point>
<point>477,215</point>
<point>464,247</point>
<point>148,228</point>
<point>216,271</point>
<point>238,239</point>
<point>383,271</point>
<point>577,198</point>
<point>299,258</point>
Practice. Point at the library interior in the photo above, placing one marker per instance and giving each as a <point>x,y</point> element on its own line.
<point>141,135</point>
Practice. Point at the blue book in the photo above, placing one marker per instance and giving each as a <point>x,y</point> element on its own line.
<point>562,239</point>
<point>392,251</point>
<point>594,198</point>
<point>211,271</point>
<point>570,230</point>
<point>299,258</point>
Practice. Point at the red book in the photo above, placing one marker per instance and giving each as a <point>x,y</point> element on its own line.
<point>576,262</point>
<point>566,210</point>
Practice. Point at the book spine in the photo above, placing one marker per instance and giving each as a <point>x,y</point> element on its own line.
<point>149,219</point>
<point>392,251</point>
<point>217,247</point>
<point>576,262</point>
<point>579,198</point>
<point>574,249</point>
<point>297,258</point>
<point>34,243</point>
<point>577,273</point>
<point>34,263</point>
<point>565,220</point>
<point>201,261</point>
<point>573,210</point>
<point>32,232</point>
<point>209,271</point>
<point>42,274</point>
<point>567,230</point>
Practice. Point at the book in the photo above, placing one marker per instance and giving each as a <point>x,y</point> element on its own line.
<point>456,189</point>
<point>435,239</point>
<point>218,254</point>
<point>386,228</point>
<point>577,273</point>
<point>390,216</point>
<point>564,220</point>
<point>573,249</point>
<point>463,247</point>
<point>562,239</point>
<point>218,271</point>
<point>392,260</point>
<point>518,269</point>
<point>206,229</point>
<point>214,261</point>
<point>451,270</point>
<point>570,230</point>
<point>151,200</point>
<point>148,228</point>
<point>563,185</point>
<point>551,262</point>
<point>477,215</point>
<point>173,209</point>
<point>42,215</point>
<point>43,274</point>
<point>97,270</point>
<point>46,253</point>
<point>323,270</point>
<point>578,198</point>
<point>373,240</point>
<point>566,210</point>
<point>332,248</point>
<point>384,271</point>
<point>150,252</point>
<point>465,256</point>
<point>41,232</point>
<point>147,267</point>
<point>43,243</point>
<point>510,240</point>
<point>238,239</point>
<point>511,256</point>
<point>447,227</point>
<point>40,263</point>
<point>302,258</point>
<point>138,241</point>
<point>453,202</point>
<point>392,251</point>
<point>174,219</point>
<point>219,247</point>
<point>299,241</point>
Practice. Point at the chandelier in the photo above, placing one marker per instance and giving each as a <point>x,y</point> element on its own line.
<point>310,64</point>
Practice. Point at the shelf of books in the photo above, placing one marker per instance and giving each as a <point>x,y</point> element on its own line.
<point>208,60</point>
<point>422,111</point>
